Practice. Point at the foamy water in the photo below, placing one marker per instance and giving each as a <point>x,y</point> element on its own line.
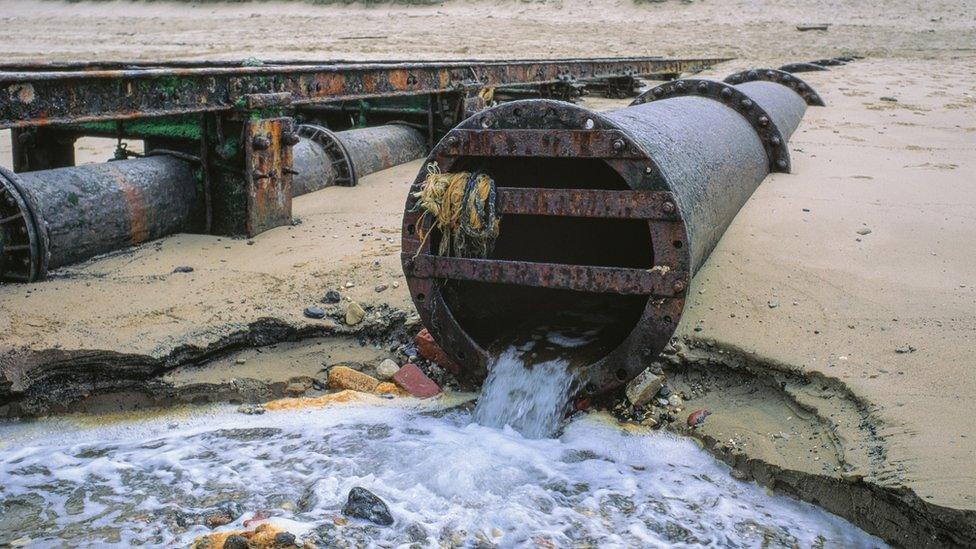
<point>448,482</point>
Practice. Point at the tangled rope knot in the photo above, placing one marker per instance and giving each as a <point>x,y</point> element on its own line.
<point>462,205</point>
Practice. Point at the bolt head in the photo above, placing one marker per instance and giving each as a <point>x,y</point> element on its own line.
<point>290,138</point>
<point>668,207</point>
<point>702,87</point>
<point>763,121</point>
<point>679,286</point>
<point>452,140</point>
<point>775,140</point>
<point>618,145</point>
<point>260,143</point>
<point>726,92</point>
<point>747,103</point>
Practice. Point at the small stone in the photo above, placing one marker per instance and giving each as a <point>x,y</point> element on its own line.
<point>643,387</point>
<point>217,519</point>
<point>251,409</point>
<point>235,542</point>
<point>697,417</point>
<point>354,313</point>
<point>380,288</point>
<point>349,285</point>
<point>675,400</point>
<point>344,377</point>
<point>295,389</point>
<point>314,312</point>
<point>332,297</point>
<point>864,232</point>
<point>284,539</point>
<point>240,361</point>
<point>183,269</point>
<point>366,505</point>
<point>889,99</point>
<point>773,303</point>
<point>396,284</point>
<point>739,474</point>
<point>905,349</point>
<point>387,369</point>
<point>429,349</point>
<point>414,381</point>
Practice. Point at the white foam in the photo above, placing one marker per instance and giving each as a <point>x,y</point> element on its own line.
<point>444,478</point>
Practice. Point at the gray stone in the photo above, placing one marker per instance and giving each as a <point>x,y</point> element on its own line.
<point>643,387</point>
<point>314,312</point>
<point>366,505</point>
<point>387,369</point>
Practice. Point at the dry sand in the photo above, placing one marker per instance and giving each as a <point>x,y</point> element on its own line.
<point>793,294</point>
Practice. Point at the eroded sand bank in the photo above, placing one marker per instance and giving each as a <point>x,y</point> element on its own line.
<point>806,325</point>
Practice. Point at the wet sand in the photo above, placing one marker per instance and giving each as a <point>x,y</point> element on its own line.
<point>819,347</point>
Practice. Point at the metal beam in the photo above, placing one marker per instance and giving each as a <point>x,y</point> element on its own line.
<point>76,94</point>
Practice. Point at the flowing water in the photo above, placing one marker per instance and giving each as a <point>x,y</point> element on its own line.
<point>449,482</point>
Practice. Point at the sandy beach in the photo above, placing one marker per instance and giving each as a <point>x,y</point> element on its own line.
<point>834,326</point>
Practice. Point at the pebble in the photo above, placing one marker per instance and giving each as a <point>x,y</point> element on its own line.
<point>387,369</point>
<point>314,312</point>
<point>864,232</point>
<point>344,377</point>
<point>251,409</point>
<point>183,269</point>
<point>889,99</point>
<point>240,361</point>
<point>905,349</point>
<point>284,539</point>
<point>697,417</point>
<point>354,313</point>
<point>366,505</point>
<point>331,297</point>
<point>349,285</point>
<point>235,542</point>
<point>380,288</point>
<point>643,387</point>
<point>773,303</point>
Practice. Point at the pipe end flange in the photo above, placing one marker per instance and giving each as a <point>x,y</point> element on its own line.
<point>793,68</point>
<point>337,152</point>
<point>776,147</point>
<point>784,78</point>
<point>23,238</point>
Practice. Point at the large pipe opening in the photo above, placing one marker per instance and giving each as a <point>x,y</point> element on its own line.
<point>492,314</point>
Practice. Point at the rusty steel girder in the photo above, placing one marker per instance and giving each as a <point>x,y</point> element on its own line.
<point>52,218</point>
<point>603,215</point>
<point>75,93</point>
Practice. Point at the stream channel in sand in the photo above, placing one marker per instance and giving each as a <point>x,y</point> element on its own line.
<point>450,481</point>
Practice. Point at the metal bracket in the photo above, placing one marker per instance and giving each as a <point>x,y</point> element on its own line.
<point>23,240</point>
<point>268,169</point>
<point>776,147</point>
<point>802,67</point>
<point>341,161</point>
<point>553,143</point>
<point>780,77</point>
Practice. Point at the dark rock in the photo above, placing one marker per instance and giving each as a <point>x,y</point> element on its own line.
<point>665,391</point>
<point>235,542</point>
<point>314,312</point>
<point>366,505</point>
<point>332,296</point>
<point>284,539</point>
<point>183,269</point>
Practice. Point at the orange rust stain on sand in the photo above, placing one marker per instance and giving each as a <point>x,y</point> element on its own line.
<point>341,397</point>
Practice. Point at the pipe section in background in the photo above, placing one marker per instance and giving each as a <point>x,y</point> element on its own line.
<point>53,218</point>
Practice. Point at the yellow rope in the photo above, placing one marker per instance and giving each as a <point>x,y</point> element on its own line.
<point>462,205</point>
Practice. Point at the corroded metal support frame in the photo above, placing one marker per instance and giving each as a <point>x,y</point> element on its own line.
<point>780,77</point>
<point>41,97</point>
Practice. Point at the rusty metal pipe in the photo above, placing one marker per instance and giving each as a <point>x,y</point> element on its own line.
<point>52,218</point>
<point>324,158</point>
<point>604,215</point>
